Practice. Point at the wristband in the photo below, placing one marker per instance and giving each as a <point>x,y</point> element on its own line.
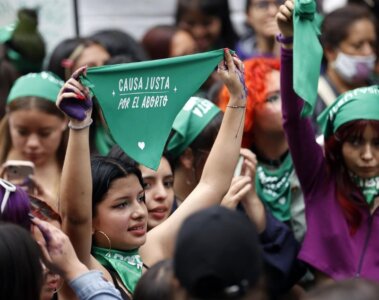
<point>79,127</point>
<point>284,40</point>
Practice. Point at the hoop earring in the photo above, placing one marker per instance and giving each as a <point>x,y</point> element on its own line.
<point>108,239</point>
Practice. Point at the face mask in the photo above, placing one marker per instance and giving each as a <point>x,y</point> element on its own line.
<point>354,68</point>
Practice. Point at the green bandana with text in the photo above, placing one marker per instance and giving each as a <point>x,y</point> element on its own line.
<point>127,264</point>
<point>274,188</point>
<point>141,100</point>
<point>368,186</point>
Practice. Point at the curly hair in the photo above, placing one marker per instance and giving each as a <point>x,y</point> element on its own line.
<point>256,70</point>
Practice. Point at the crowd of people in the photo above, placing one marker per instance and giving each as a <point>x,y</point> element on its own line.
<point>266,188</point>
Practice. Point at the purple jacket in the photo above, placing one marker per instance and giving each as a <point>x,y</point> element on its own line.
<point>328,245</point>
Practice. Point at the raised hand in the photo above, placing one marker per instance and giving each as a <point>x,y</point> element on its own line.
<point>74,99</point>
<point>232,73</point>
<point>284,18</point>
<point>58,253</point>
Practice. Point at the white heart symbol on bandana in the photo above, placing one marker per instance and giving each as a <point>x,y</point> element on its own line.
<point>141,145</point>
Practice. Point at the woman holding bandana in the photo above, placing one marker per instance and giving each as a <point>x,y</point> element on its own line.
<point>340,185</point>
<point>104,213</point>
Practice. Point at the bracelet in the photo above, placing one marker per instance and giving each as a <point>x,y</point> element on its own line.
<point>79,127</point>
<point>236,106</point>
<point>284,40</point>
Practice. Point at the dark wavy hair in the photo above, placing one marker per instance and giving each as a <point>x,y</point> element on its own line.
<point>349,196</point>
<point>104,171</point>
<point>21,275</point>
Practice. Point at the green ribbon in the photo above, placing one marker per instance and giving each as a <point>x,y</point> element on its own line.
<point>368,186</point>
<point>307,52</point>
<point>141,100</point>
<point>274,188</point>
<point>127,264</point>
<point>358,104</point>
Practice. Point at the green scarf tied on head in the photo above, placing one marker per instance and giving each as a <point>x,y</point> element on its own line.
<point>141,100</point>
<point>307,52</point>
<point>357,104</point>
<point>274,188</point>
<point>191,120</point>
<point>127,264</point>
<point>45,85</point>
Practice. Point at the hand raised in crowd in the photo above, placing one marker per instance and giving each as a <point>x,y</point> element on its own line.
<point>284,18</point>
<point>58,252</point>
<point>232,73</point>
<point>74,99</point>
<point>242,190</point>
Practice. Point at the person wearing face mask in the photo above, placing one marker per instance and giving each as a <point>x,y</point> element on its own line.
<point>349,41</point>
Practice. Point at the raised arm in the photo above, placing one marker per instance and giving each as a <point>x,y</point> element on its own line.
<point>218,170</point>
<point>76,180</point>
<point>306,154</point>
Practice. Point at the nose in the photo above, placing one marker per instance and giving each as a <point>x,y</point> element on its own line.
<point>198,30</point>
<point>139,210</point>
<point>273,8</point>
<point>160,193</point>
<point>368,49</point>
<point>32,141</point>
<point>367,153</point>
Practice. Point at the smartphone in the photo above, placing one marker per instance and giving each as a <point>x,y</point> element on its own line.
<point>238,169</point>
<point>17,171</point>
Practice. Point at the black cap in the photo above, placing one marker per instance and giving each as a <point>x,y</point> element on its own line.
<point>217,254</point>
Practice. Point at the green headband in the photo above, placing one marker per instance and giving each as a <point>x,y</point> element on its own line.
<point>44,85</point>
<point>358,104</point>
<point>191,120</point>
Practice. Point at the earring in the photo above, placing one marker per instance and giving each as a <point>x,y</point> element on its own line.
<point>107,237</point>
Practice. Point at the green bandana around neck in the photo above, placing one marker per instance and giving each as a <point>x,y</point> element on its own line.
<point>307,52</point>
<point>141,100</point>
<point>44,85</point>
<point>127,264</point>
<point>368,186</point>
<point>274,188</point>
<point>357,104</point>
<point>191,120</point>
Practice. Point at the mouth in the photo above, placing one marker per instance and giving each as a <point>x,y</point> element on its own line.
<point>158,213</point>
<point>138,230</point>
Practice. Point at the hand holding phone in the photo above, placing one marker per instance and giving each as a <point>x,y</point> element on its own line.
<point>18,172</point>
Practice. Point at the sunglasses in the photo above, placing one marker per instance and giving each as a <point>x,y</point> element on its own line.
<point>9,187</point>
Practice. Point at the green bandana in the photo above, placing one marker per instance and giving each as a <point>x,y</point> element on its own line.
<point>368,186</point>
<point>44,85</point>
<point>358,104</point>
<point>127,264</point>
<point>307,53</point>
<point>191,120</point>
<point>274,188</point>
<point>141,100</point>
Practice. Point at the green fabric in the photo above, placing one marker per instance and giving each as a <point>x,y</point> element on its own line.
<point>368,186</point>
<point>273,187</point>
<point>44,85</point>
<point>6,32</point>
<point>103,140</point>
<point>307,52</point>
<point>191,120</point>
<point>127,264</point>
<point>141,100</point>
<point>358,104</point>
